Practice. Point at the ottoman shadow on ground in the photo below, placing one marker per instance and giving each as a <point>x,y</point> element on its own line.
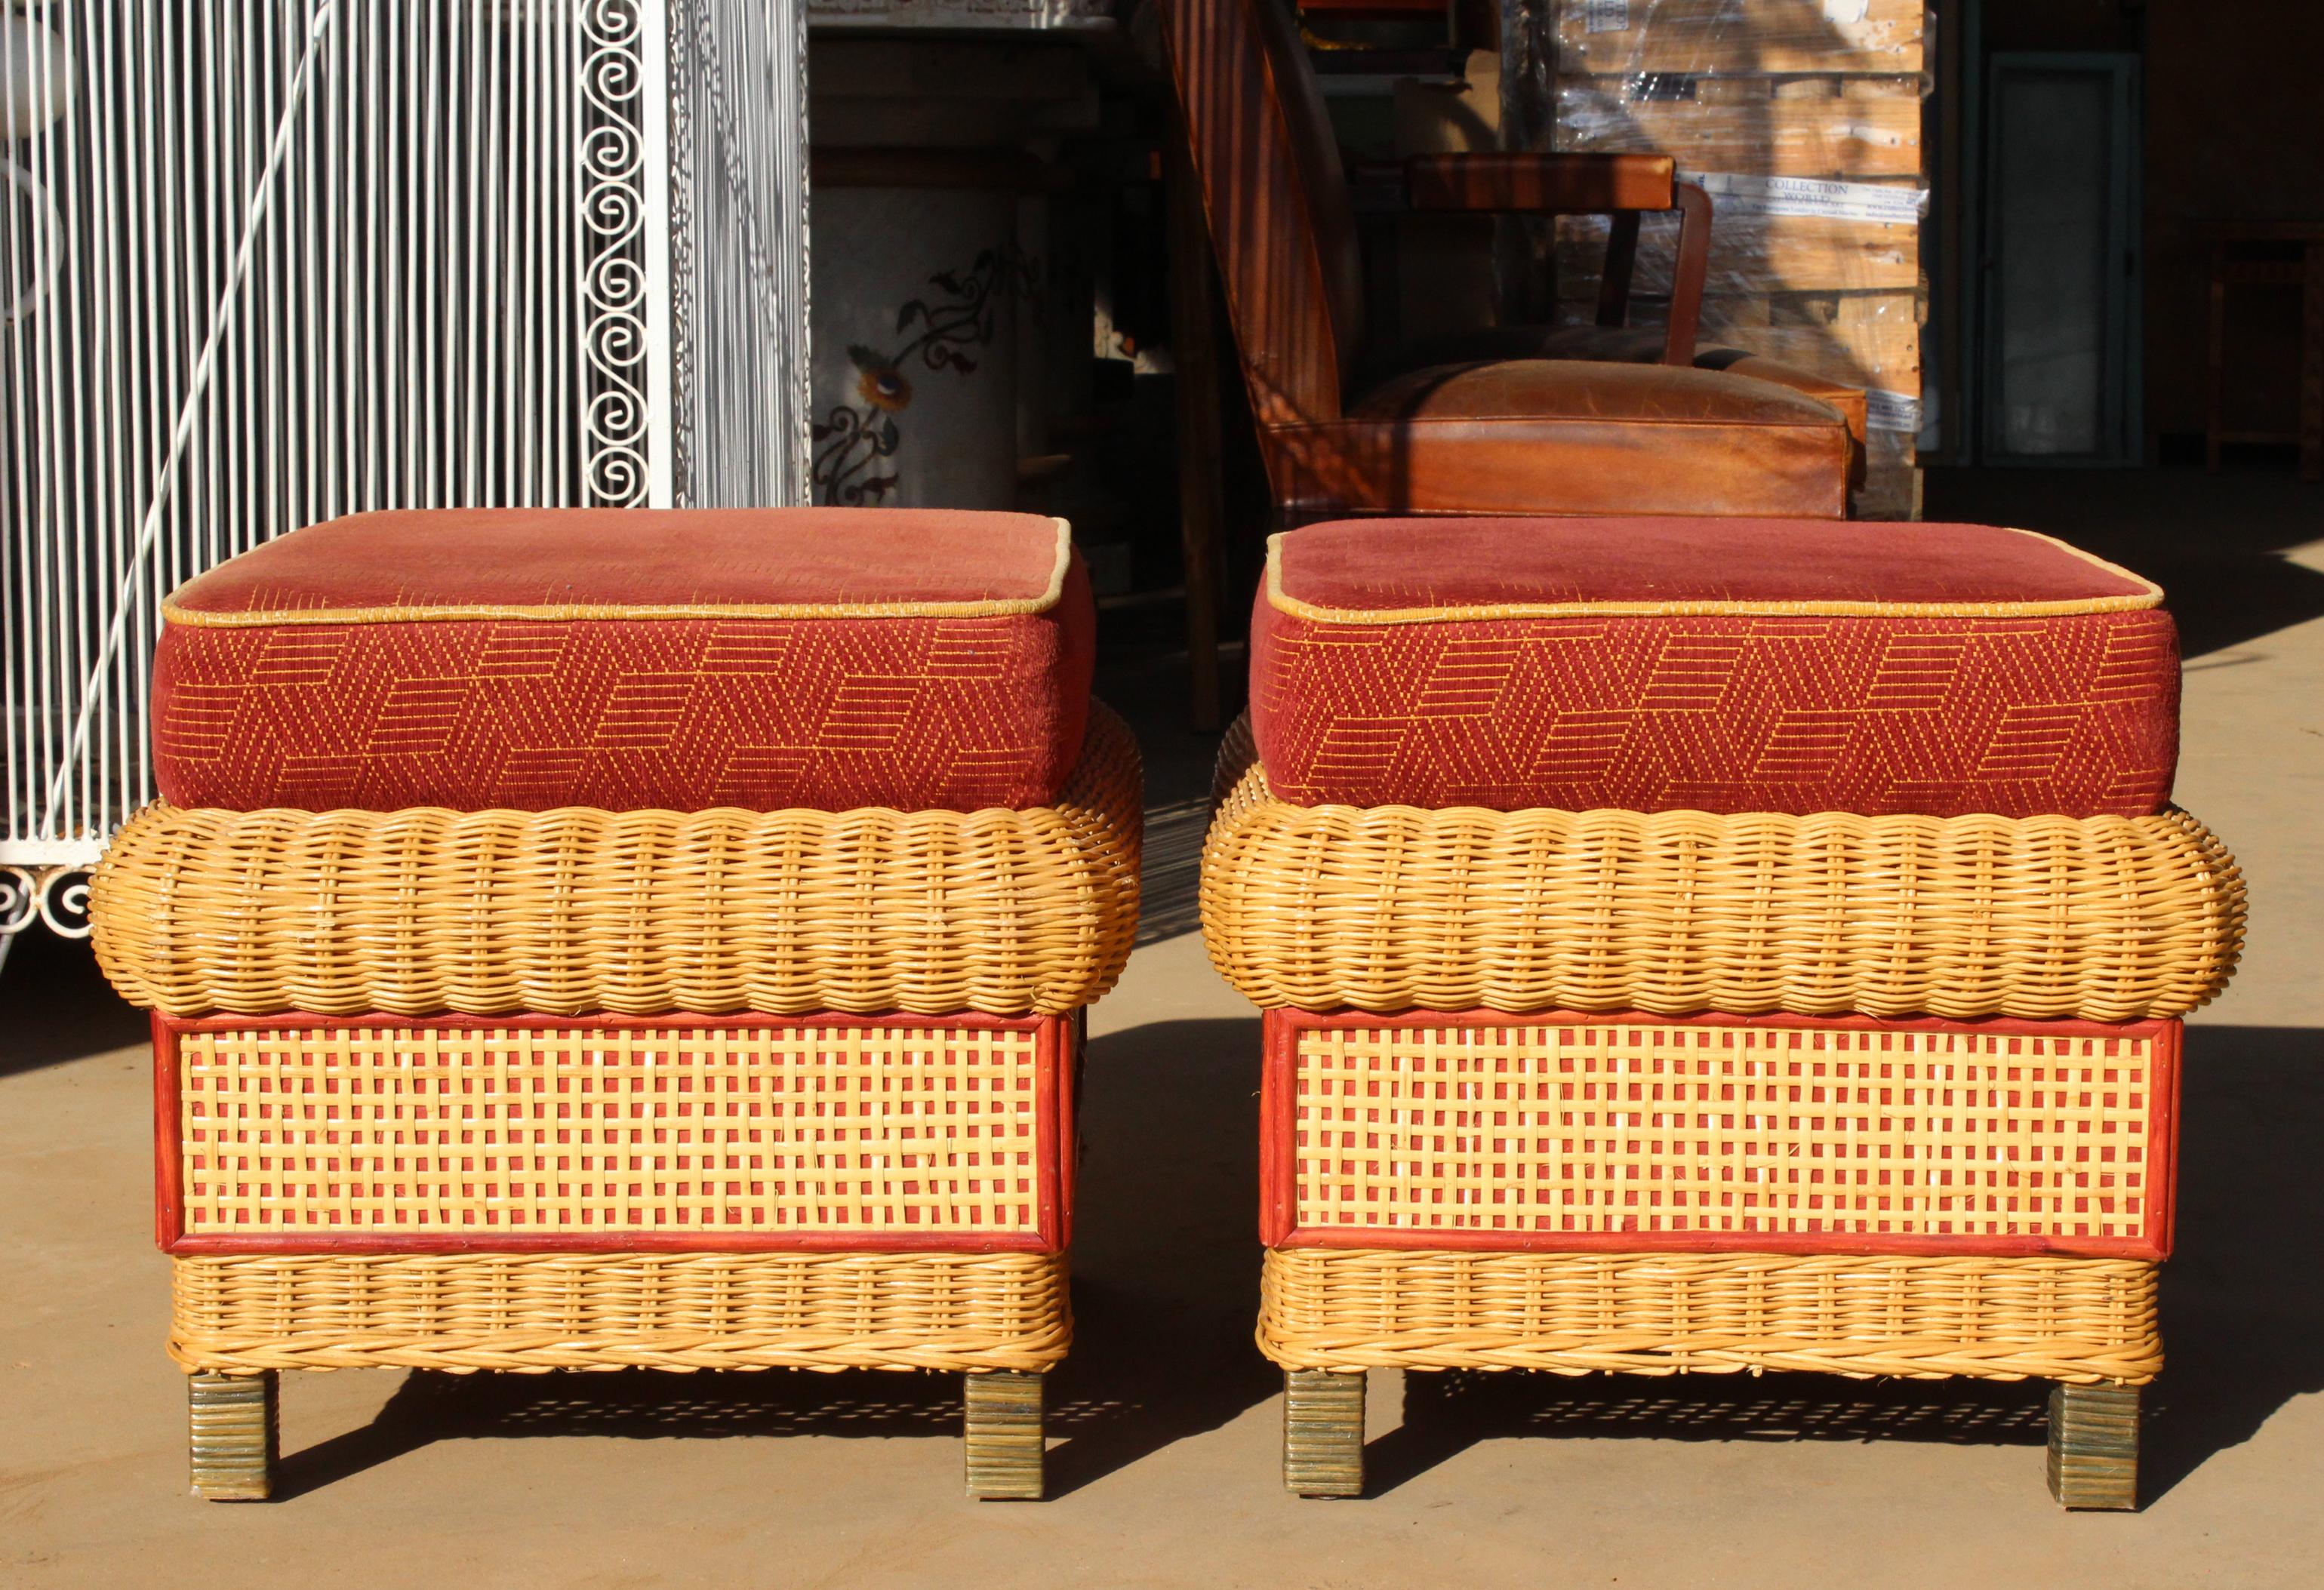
<point>1165,1291</point>
<point>2241,1324</point>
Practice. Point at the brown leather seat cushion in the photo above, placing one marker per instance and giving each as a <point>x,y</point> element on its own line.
<point>1546,436</point>
<point>1561,389</point>
<point>1612,344</point>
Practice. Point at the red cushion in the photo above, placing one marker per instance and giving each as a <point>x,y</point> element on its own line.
<point>1719,665</point>
<point>533,658</point>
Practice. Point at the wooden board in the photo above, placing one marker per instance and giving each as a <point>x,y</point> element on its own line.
<point>1752,256</point>
<point>1824,89</point>
<point>1748,36</point>
<point>1892,477</point>
<point>1873,130</point>
<point>1867,339</point>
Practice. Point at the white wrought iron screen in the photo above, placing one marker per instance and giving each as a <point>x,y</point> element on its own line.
<point>738,161</point>
<point>267,262</point>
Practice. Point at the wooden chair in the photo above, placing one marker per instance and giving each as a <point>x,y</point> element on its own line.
<point>1562,420</point>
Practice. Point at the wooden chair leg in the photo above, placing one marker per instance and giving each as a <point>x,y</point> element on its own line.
<point>237,1432</point>
<point>1004,1437</point>
<point>2094,1446</point>
<point>1323,1433</point>
<point>2215,393</point>
<point>1202,493</point>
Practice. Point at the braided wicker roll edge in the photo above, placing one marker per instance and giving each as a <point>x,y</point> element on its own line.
<point>1392,909</point>
<point>425,911</point>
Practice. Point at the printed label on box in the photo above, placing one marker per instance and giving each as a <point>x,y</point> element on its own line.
<point>1606,16</point>
<point>1734,194</point>
<point>1885,411</point>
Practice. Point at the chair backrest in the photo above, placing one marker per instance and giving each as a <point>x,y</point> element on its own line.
<point>1281,221</point>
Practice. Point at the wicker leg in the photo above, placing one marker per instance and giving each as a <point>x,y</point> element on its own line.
<point>1323,1433</point>
<point>1004,1428</point>
<point>235,1433</point>
<point>2094,1445</point>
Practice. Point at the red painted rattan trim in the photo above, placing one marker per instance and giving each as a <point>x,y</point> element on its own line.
<point>2162,1168</point>
<point>169,1167</point>
<point>1047,1198</point>
<point>1278,1128</point>
<point>1278,1152</point>
<point>1308,1020</point>
<point>1052,1046</point>
<point>529,1023</point>
<point>1063,1078</point>
<point>617,1241</point>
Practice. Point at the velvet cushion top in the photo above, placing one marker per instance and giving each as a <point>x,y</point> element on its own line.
<point>623,658</point>
<point>1416,567</point>
<point>548,563</point>
<point>1721,664</point>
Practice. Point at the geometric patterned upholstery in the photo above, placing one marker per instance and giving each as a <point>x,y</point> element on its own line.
<point>1720,665</point>
<point>530,660</point>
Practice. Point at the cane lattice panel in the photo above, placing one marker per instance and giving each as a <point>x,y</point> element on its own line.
<point>470,1132</point>
<point>1738,1132</point>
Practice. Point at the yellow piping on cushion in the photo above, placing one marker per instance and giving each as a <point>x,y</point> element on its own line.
<point>2151,597</point>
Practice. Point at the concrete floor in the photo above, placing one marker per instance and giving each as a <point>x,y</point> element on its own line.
<point>1164,1466</point>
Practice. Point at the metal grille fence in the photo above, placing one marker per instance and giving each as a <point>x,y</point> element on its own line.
<point>266,262</point>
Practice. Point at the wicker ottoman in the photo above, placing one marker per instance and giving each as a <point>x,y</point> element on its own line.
<point>584,940</point>
<point>1701,948</point>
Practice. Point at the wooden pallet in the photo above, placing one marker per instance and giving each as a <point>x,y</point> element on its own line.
<point>1767,36</point>
<point>1751,254</point>
<point>1828,127</point>
<point>1870,338</point>
<point>1822,89</point>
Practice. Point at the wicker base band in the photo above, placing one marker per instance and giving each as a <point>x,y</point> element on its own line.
<point>2085,1322</point>
<point>524,1312</point>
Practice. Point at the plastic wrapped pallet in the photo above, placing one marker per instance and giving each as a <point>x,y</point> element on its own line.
<point>1802,117</point>
<point>1611,37</point>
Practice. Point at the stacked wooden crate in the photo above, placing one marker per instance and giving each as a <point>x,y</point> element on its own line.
<point>1803,118</point>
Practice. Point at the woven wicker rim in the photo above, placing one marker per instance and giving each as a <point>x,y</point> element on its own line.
<point>1390,908</point>
<point>425,912</point>
<point>2150,597</point>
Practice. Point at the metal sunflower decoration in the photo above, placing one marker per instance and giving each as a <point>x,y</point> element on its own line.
<point>852,440</point>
